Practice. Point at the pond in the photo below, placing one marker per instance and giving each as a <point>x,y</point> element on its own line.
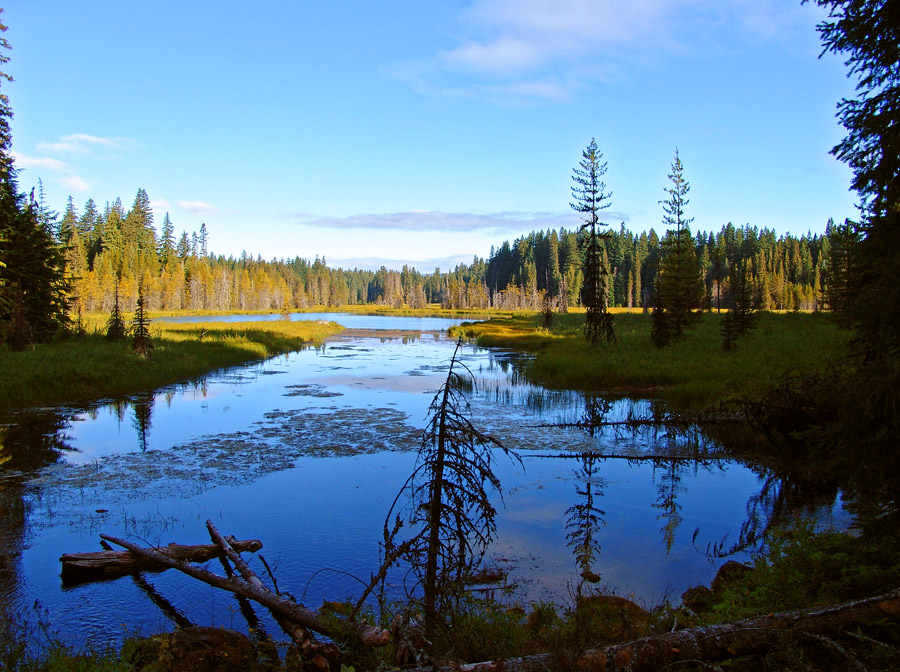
<point>307,452</point>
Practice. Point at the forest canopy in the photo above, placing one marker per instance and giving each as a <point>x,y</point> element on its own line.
<point>180,273</point>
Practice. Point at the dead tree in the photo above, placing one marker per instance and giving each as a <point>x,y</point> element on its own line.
<point>448,498</point>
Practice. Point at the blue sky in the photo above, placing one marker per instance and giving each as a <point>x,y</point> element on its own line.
<point>424,132</point>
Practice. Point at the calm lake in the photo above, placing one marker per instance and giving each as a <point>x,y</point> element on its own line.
<point>307,452</point>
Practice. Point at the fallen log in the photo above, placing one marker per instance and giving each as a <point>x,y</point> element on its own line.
<point>341,630</point>
<point>709,644</point>
<point>318,655</point>
<point>103,565</point>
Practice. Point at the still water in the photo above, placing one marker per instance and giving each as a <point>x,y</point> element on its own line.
<point>307,451</point>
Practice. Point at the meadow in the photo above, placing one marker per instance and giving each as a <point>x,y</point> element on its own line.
<point>90,367</point>
<point>688,375</point>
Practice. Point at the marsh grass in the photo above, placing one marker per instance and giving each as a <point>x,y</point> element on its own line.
<point>688,375</point>
<point>92,367</point>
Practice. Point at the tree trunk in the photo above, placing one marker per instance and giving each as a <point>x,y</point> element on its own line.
<point>102,565</point>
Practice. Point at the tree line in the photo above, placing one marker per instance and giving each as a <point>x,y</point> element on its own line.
<point>55,267</point>
<point>115,245</point>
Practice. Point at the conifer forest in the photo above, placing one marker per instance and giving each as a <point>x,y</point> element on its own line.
<point>701,403</point>
<point>179,271</point>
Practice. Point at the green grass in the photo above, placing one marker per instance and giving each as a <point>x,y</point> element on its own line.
<point>688,375</point>
<point>91,367</point>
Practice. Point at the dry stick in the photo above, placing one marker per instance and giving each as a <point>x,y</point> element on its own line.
<point>306,643</point>
<point>269,572</point>
<point>361,633</point>
<point>385,566</point>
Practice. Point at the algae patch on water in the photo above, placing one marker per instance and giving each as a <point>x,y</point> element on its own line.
<point>310,390</point>
<point>64,493</point>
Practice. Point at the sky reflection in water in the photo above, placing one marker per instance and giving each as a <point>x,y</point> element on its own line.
<point>307,451</point>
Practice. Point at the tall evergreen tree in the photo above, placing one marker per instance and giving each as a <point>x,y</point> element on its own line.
<point>167,241</point>
<point>679,279</point>
<point>140,330</point>
<point>840,270</point>
<point>590,198</point>
<point>204,240</point>
<point>867,34</point>
<point>33,287</point>
<point>115,325</point>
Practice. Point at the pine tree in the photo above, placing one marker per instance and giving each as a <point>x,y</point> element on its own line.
<point>142,344</point>
<point>660,335</point>
<point>167,242</point>
<point>840,271</point>
<point>115,325</point>
<point>679,279</point>
<point>590,196</point>
<point>33,285</point>
<point>866,33</point>
<point>449,498</point>
<point>746,305</point>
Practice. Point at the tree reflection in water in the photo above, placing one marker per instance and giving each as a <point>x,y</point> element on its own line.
<point>584,520</point>
<point>28,442</point>
<point>784,497</point>
<point>142,406</point>
<point>668,485</point>
<point>676,448</point>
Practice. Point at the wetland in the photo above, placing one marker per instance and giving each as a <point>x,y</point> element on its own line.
<point>306,452</point>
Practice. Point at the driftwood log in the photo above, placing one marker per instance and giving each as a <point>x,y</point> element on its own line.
<point>336,629</point>
<point>711,643</point>
<point>101,565</point>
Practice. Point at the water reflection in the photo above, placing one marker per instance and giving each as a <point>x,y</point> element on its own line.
<point>142,407</point>
<point>584,520</point>
<point>28,442</point>
<point>34,439</point>
<point>667,478</point>
<point>304,445</point>
<point>783,497</point>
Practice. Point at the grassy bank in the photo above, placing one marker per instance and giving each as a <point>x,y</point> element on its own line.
<point>690,374</point>
<point>91,367</point>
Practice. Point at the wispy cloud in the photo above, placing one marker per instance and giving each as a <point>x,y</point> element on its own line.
<point>75,149</point>
<point>450,222</point>
<point>41,162</point>
<point>75,183</point>
<point>160,204</point>
<point>64,173</point>
<point>197,207</point>
<point>423,265</point>
<point>82,144</point>
<point>547,50</point>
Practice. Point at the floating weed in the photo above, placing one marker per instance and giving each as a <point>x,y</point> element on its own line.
<point>71,495</point>
<point>310,390</point>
